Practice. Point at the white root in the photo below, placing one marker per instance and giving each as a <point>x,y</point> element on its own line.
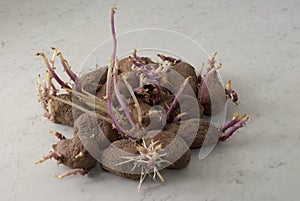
<point>149,160</point>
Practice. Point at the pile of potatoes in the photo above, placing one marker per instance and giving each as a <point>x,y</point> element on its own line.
<point>97,141</point>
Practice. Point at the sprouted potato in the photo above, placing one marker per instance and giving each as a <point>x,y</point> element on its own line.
<point>113,112</point>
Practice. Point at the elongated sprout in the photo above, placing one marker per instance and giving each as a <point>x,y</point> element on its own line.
<point>136,102</point>
<point>60,158</point>
<point>72,172</point>
<point>90,100</point>
<point>115,71</point>
<point>169,59</point>
<point>120,99</point>
<point>49,156</point>
<point>82,109</point>
<point>175,101</point>
<point>230,127</point>
<point>212,61</point>
<point>179,117</point>
<point>67,68</point>
<point>99,101</point>
<point>52,72</point>
<point>211,69</point>
<point>58,135</point>
<point>112,72</point>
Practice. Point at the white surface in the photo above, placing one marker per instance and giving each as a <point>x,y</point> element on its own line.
<point>258,43</point>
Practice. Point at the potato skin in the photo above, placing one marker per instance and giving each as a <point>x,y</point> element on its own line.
<point>178,152</point>
<point>68,149</point>
<point>176,148</point>
<point>177,75</point>
<point>92,81</point>
<point>92,130</point>
<point>63,113</point>
<point>214,99</point>
<point>125,65</point>
<point>195,140</point>
<point>186,103</point>
<point>186,70</point>
<point>132,79</point>
<point>112,156</point>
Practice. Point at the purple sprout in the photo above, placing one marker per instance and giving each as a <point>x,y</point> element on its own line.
<point>140,61</point>
<point>112,72</point>
<point>158,94</point>
<point>175,101</point>
<point>230,93</point>
<point>151,73</point>
<point>68,70</point>
<point>229,128</point>
<point>47,90</point>
<point>169,59</point>
<point>51,70</point>
<point>211,69</point>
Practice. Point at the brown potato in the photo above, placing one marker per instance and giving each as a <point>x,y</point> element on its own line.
<point>132,79</point>
<point>187,104</point>
<point>125,65</point>
<point>92,81</point>
<point>113,156</point>
<point>176,77</point>
<point>63,113</point>
<point>195,139</point>
<point>214,99</point>
<point>177,150</point>
<point>68,149</point>
<point>93,130</point>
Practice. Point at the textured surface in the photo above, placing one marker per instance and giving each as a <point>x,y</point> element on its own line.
<point>259,44</point>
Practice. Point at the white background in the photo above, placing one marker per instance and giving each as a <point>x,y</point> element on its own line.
<point>258,43</point>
